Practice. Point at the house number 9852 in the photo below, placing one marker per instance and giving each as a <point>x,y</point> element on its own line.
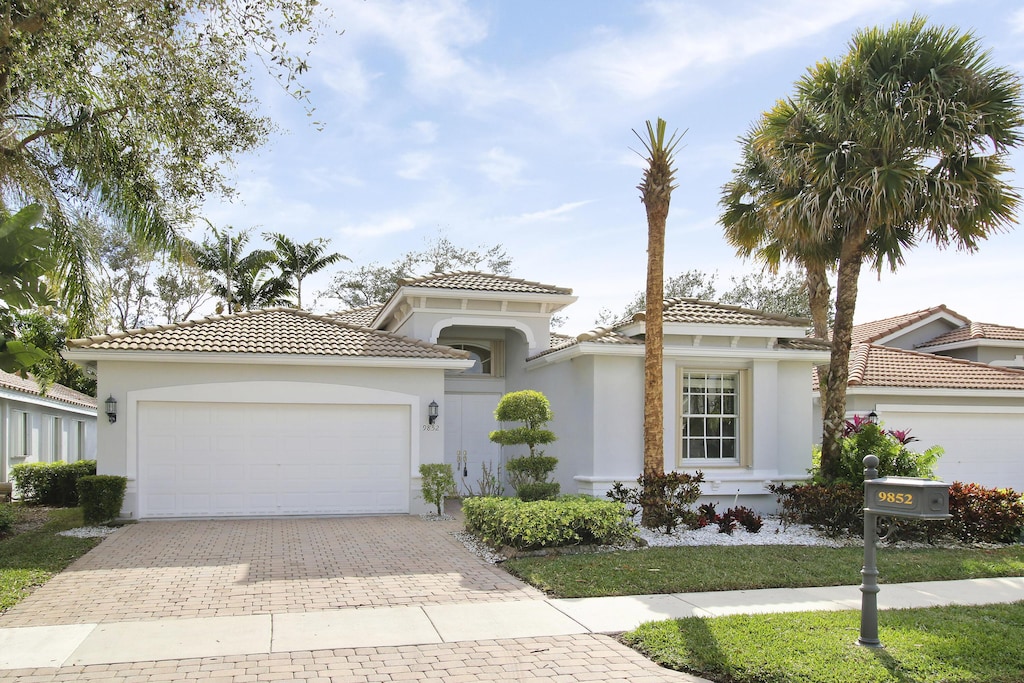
<point>897,498</point>
<point>431,428</point>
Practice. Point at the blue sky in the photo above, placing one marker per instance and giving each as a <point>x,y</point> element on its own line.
<point>511,122</point>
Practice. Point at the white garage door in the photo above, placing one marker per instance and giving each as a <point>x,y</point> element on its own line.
<point>241,459</point>
<point>983,448</point>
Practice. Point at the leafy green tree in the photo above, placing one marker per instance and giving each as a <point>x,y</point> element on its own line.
<point>784,294</point>
<point>180,290</point>
<point>24,262</point>
<point>242,281</point>
<point>124,273</point>
<point>903,139</point>
<point>298,261</point>
<point>46,329</point>
<point>133,109</point>
<point>375,283</point>
<point>691,284</point>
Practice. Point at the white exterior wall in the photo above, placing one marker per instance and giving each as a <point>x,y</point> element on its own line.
<point>132,382</point>
<point>40,442</point>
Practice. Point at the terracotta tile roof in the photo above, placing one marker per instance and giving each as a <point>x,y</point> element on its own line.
<point>600,335</point>
<point>977,331</point>
<point>873,365</point>
<point>805,344</point>
<point>484,282</point>
<point>363,317</point>
<point>875,330</point>
<point>276,331</point>
<point>57,392</point>
<point>686,310</point>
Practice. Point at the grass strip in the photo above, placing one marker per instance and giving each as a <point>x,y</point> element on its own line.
<point>30,559</point>
<point>960,644</point>
<point>713,568</point>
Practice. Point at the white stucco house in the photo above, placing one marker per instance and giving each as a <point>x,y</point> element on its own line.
<point>280,412</point>
<point>953,382</point>
<point>59,424</point>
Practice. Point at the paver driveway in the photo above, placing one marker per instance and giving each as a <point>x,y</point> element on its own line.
<point>263,566</point>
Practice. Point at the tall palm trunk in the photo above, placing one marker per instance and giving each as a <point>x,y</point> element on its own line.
<point>656,194</point>
<point>819,293</point>
<point>834,398</point>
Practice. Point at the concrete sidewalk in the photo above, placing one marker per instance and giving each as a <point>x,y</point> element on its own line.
<point>78,645</point>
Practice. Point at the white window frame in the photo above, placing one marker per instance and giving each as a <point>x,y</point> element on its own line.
<point>79,435</point>
<point>56,428</point>
<point>495,347</point>
<point>20,441</point>
<point>741,413</point>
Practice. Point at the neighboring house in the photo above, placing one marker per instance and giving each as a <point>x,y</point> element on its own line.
<point>60,425</point>
<point>280,411</point>
<point>953,382</point>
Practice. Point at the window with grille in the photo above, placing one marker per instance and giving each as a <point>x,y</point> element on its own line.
<point>710,416</point>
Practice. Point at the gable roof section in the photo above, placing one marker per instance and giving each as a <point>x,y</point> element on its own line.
<point>873,365</point>
<point>688,310</point>
<point>975,331</point>
<point>363,317</point>
<point>269,331</point>
<point>482,282</point>
<point>870,332</point>
<point>56,392</point>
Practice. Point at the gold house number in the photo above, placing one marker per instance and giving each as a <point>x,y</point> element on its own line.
<point>896,498</point>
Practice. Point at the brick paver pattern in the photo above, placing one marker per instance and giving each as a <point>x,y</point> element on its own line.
<point>213,568</point>
<point>555,659</point>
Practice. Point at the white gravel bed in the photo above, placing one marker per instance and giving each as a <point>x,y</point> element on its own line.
<point>88,532</point>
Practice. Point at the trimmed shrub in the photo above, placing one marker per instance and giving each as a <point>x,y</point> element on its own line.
<point>53,483</point>
<point>437,483</point>
<point>538,490</point>
<point>7,517</point>
<point>547,523</point>
<point>747,518</point>
<point>102,496</point>
<point>835,509</point>
<point>667,499</point>
<point>985,515</point>
<point>528,475</point>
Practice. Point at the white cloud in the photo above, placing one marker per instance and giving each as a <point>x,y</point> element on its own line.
<point>559,213</point>
<point>501,168</point>
<point>379,227</point>
<point>415,165</point>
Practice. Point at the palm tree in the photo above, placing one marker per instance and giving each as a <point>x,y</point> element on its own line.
<point>903,139</point>
<point>241,280</point>
<point>298,261</point>
<point>656,194</point>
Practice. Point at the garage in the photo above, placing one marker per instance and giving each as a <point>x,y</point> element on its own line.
<point>982,444</point>
<point>210,459</point>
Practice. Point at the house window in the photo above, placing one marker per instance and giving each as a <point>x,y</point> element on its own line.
<point>20,433</point>
<point>486,357</point>
<point>56,439</point>
<point>78,450</point>
<point>709,419</point>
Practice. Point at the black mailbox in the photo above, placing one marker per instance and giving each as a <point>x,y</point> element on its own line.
<point>907,497</point>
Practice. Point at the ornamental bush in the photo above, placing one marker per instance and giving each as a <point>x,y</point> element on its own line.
<point>985,515</point>
<point>667,498</point>
<point>54,483</point>
<point>437,483</point>
<point>102,496</point>
<point>835,509</point>
<point>861,438</point>
<point>570,520</point>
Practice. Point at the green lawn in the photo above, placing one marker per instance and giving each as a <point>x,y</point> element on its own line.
<point>933,645</point>
<point>31,558</point>
<point>710,568</point>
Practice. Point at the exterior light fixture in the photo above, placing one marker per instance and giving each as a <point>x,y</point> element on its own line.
<point>432,412</point>
<point>873,417</point>
<point>111,404</point>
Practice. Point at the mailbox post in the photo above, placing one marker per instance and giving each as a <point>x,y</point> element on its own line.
<point>905,497</point>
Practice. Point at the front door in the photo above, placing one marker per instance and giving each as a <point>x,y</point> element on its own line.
<point>468,422</point>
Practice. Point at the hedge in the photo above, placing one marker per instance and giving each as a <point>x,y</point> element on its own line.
<point>54,483</point>
<point>571,520</point>
<point>102,496</point>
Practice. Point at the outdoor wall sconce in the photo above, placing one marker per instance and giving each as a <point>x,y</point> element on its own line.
<point>432,412</point>
<point>111,404</point>
<point>873,417</point>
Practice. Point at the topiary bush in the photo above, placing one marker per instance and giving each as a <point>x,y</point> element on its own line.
<point>667,498</point>
<point>529,474</point>
<point>571,520</point>
<point>54,483</point>
<point>102,496</point>
<point>437,483</point>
